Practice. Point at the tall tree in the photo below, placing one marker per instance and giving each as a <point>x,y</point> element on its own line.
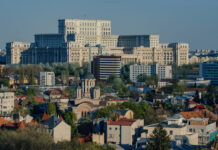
<point>21,75</point>
<point>70,118</point>
<point>51,109</point>
<point>159,139</point>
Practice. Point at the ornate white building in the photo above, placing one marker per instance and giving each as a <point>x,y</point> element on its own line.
<point>75,37</point>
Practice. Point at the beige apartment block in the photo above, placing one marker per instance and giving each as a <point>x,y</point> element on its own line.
<point>6,102</point>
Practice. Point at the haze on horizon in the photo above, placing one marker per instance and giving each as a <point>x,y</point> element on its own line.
<point>191,21</point>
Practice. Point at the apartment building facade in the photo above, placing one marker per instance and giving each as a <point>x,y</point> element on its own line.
<point>163,72</point>
<point>6,102</point>
<point>47,78</point>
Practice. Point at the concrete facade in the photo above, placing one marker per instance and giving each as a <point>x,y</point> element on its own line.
<point>6,102</point>
<point>74,38</point>
<point>163,72</point>
<point>203,128</point>
<point>47,78</point>
<point>123,131</point>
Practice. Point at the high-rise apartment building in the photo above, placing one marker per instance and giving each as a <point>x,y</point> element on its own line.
<point>104,66</point>
<point>6,102</point>
<point>163,72</point>
<point>75,37</point>
<point>209,71</point>
<point>47,78</point>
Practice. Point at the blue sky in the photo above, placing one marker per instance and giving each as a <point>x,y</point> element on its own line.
<point>192,21</point>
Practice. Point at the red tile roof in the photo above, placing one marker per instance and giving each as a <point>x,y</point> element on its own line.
<point>200,113</point>
<point>122,122</point>
<point>39,99</point>
<point>192,102</point>
<point>61,118</point>
<point>21,96</point>
<point>45,116</point>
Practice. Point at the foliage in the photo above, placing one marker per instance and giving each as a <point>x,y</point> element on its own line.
<point>141,111</point>
<point>5,82</point>
<point>21,75</point>
<point>159,139</point>
<point>35,140</point>
<point>149,80</point>
<point>70,91</point>
<point>75,145</point>
<point>176,88</point>
<point>211,96</point>
<point>51,109</point>
<point>19,92</point>
<point>25,140</point>
<point>31,92</point>
<point>70,118</point>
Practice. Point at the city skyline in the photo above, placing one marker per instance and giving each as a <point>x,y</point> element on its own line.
<point>192,22</point>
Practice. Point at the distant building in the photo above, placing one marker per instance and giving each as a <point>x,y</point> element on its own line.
<point>209,71</point>
<point>1,70</point>
<point>6,102</point>
<point>104,66</point>
<point>59,130</point>
<point>75,36</point>
<point>163,72</point>
<point>47,78</point>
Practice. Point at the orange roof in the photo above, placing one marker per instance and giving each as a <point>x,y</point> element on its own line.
<point>122,121</point>
<point>21,125</point>
<point>61,118</point>
<point>20,96</point>
<point>201,113</point>
<point>39,99</point>
<point>45,116</point>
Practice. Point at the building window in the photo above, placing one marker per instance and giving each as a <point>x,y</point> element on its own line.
<point>115,128</point>
<point>171,132</point>
<point>109,128</point>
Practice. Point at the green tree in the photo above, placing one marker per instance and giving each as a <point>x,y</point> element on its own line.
<point>70,118</point>
<point>51,109</point>
<point>21,75</point>
<point>159,139</point>
<point>25,140</point>
<point>4,82</point>
<point>71,92</point>
<point>31,92</point>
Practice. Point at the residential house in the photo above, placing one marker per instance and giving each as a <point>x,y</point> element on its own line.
<point>204,129</point>
<point>59,130</point>
<point>123,131</point>
<point>176,129</point>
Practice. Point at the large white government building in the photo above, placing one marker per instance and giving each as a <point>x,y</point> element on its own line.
<point>76,37</point>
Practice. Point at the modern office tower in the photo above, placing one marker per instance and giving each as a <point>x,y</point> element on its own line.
<point>47,78</point>
<point>163,72</point>
<point>75,37</point>
<point>130,41</point>
<point>104,66</point>
<point>14,51</point>
<point>6,102</point>
<point>209,71</point>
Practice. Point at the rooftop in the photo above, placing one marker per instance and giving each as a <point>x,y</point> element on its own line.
<point>122,122</point>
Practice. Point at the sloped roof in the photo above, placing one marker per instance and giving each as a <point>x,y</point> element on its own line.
<point>52,122</point>
<point>45,116</point>
<point>202,113</point>
<point>121,111</point>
